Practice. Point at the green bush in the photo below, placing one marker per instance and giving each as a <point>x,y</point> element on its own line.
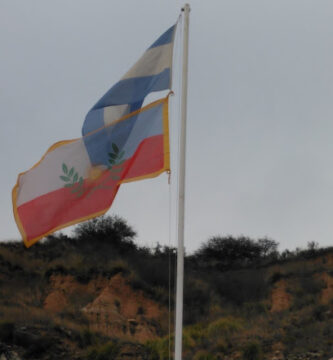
<point>155,268</point>
<point>253,308</point>
<point>86,338</point>
<point>139,284</point>
<point>109,351</point>
<point>158,349</point>
<point>196,300</point>
<point>194,336</point>
<point>311,285</point>
<point>224,327</point>
<point>112,229</point>
<point>230,252</point>
<point>116,267</point>
<point>252,351</point>
<point>150,352</point>
<point>241,286</point>
<point>319,312</point>
<point>277,276</point>
<point>303,300</point>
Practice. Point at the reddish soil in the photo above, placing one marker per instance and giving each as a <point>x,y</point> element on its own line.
<point>327,292</point>
<point>281,299</point>
<point>116,310</point>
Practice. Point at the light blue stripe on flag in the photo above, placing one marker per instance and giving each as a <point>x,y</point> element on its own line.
<point>165,38</point>
<point>133,90</point>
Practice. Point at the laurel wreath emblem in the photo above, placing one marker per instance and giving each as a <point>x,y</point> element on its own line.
<point>74,181</point>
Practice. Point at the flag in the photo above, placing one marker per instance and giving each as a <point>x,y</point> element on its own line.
<point>71,184</point>
<point>152,72</point>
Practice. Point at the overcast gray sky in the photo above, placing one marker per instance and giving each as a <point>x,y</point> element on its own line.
<point>260,109</point>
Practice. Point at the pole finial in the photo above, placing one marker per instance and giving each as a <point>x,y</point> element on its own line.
<point>186,7</point>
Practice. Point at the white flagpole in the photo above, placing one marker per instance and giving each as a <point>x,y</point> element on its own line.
<point>181,199</point>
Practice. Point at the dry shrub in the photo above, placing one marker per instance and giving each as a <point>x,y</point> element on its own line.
<point>224,327</point>
<point>204,355</point>
<point>194,336</point>
<point>117,266</point>
<point>159,349</point>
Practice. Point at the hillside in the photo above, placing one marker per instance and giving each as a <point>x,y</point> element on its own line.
<point>98,296</point>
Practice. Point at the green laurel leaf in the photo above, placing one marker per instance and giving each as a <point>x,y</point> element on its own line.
<point>112,156</point>
<point>64,178</point>
<point>76,176</point>
<point>121,154</point>
<point>71,171</point>
<point>68,185</point>
<point>64,168</point>
<point>115,148</point>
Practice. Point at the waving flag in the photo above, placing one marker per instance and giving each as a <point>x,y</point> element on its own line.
<point>152,72</point>
<point>70,184</point>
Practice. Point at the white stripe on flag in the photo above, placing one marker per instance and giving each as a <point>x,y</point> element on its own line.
<point>152,62</point>
<point>112,113</point>
<point>45,177</point>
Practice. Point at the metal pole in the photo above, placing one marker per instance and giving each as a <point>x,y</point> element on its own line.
<point>181,199</point>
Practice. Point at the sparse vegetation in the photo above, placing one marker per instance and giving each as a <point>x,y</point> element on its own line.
<point>108,351</point>
<point>252,351</point>
<point>228,299</point>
